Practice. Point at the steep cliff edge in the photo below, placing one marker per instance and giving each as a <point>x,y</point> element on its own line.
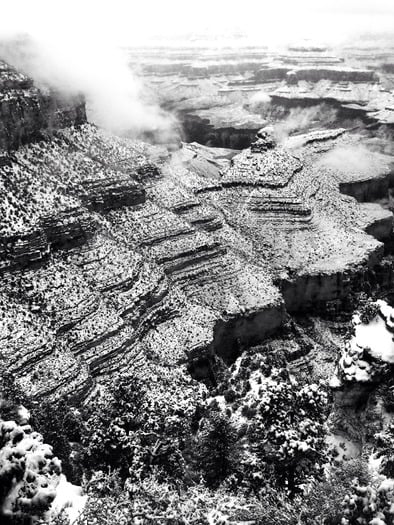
<point>27,112</point>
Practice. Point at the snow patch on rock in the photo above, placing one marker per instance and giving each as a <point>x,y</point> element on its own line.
<point>69,498</point>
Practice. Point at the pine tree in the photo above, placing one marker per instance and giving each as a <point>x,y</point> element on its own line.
<point>217,448</point>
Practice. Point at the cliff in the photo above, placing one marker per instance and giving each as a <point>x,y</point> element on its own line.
<point>26,113</point>
<point>314,73</point>
<point>222,98</point>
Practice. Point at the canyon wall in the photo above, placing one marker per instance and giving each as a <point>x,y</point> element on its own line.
<point>26,113</point>
<point>116,254</point>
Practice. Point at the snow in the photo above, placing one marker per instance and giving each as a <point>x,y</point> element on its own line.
<point>376,335</point>
<point>256,381</point>
<point>377,338</point>
<point>220,401</point>
<point>68,497</point>
<point>387,312</point>
<point>374,338</point>
<point>335,382</point>
<point>374,464</point>
<point>387,485</point>
<point>24,415</point>
<point>345,447</point>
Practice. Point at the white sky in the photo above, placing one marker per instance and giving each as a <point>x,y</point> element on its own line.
<point>130,21</point>
<point>75,45</point>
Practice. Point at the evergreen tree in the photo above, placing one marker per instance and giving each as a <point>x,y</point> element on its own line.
<point>217,448</point>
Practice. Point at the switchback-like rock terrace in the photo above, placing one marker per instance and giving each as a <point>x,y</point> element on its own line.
<point>116,255</point>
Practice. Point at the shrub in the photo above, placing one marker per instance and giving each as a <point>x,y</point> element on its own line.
<point>60,424</point>
<point>136,433</point>
<point>28,472</point>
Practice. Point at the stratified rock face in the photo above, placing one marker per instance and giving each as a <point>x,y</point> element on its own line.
<point>378,221</point>
<point>48,189</point>
<point>147,275</point>
<point>115,253</point>
<point>105,195</point>
<point>196,62</point>
<point>194,259</point>
<point>223,98</point>
<point>227,129</point>
<point>315,74</point>
<point>26,112</point>
<point>365,175</point>
<point>288,205</point>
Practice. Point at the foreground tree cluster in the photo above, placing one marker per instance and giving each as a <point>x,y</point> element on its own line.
<point>165,449</point>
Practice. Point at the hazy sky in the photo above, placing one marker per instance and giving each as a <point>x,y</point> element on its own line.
<point>125,21</point>
<point>75,45</point>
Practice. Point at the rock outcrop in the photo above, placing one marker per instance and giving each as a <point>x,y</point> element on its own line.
<point>27,112</point>
<point>315,74</point>
<point>378,221</point>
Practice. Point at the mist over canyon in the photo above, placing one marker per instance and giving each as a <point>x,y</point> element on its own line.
<point>197,274</point>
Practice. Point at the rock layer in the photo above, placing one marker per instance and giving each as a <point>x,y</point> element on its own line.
<point>27,112</point>
<point>116,253</point>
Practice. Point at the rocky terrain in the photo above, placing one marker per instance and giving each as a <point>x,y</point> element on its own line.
<point>27,112</point>
<point>111,247</point>
<point>119,256</point>
<point>223,98</point>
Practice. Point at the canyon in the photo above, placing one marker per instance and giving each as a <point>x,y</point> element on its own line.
<point>119,254</point>
<point>223,97</point>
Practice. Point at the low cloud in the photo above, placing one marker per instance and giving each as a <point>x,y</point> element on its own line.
<point>260,97</point>
<point>354,159</point>
<point>116,98</point>
<point>300,120</point>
